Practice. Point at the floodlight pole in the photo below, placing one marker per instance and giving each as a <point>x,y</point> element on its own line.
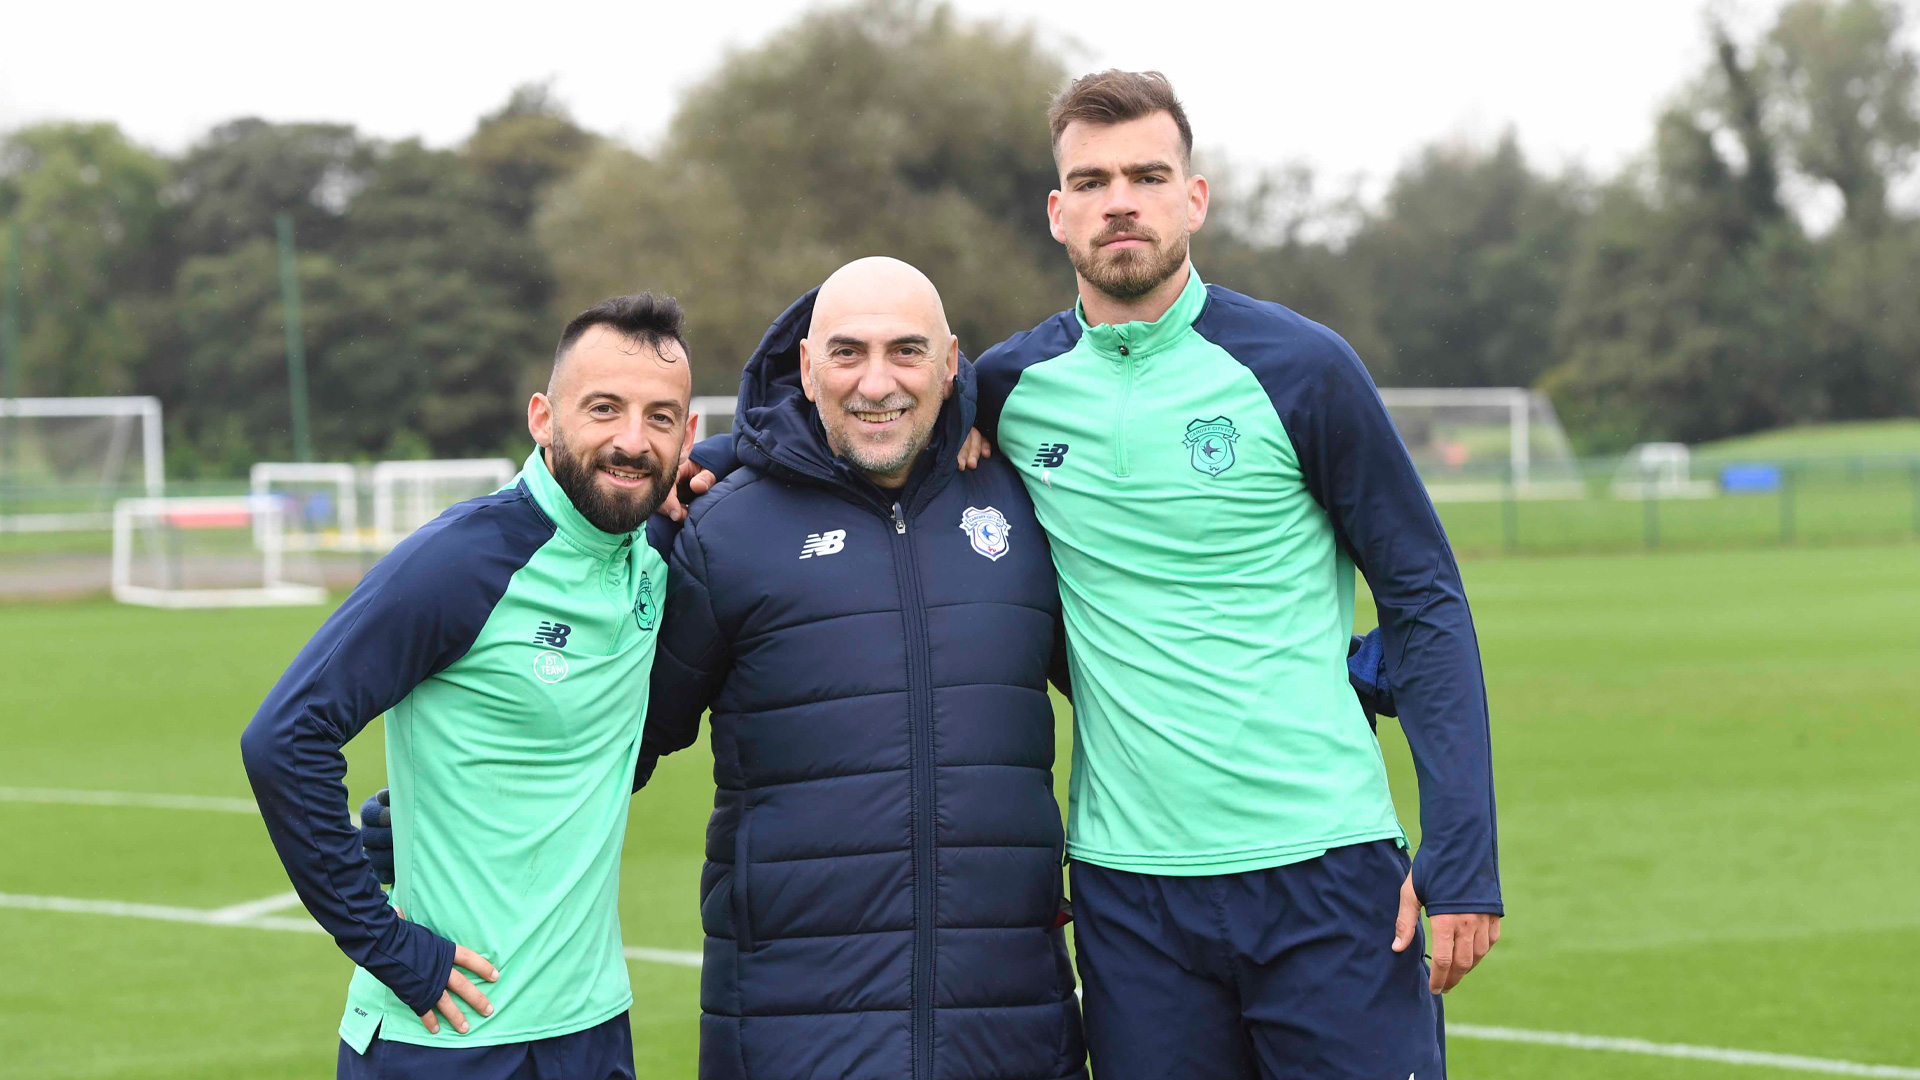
<point>10,304</point>
<point>296,343</point>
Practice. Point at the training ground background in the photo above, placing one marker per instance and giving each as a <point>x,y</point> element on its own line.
<point>1706,774</point>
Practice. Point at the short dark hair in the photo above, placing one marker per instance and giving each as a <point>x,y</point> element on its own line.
<point>641,317</point>
<point>1114,97</point>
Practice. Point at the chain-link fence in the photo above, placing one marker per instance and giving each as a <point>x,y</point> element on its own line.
<point>1676,503</point>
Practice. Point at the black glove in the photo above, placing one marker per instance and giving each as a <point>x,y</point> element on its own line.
<point>1367,671</point>
<point>376,835</point>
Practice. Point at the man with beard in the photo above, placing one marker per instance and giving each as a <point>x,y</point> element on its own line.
<point>1210,470</point>
<point>509,643</point>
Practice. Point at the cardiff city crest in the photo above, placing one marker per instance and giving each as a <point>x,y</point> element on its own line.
<point>987,530</point>
<point>645,611</point>
<point>1212,444</point>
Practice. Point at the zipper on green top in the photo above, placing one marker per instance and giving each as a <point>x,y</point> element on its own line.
<point>1120,465</point>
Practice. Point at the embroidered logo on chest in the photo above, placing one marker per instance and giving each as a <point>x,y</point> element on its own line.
<point>1211,445</point>
<point>645,612</point>
<point>986,530</point>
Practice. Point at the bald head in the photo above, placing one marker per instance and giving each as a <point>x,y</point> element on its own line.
<point>878,285</point>
<point>877,362</point>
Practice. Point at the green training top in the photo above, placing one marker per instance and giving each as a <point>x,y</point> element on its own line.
<point>512,768</point>
<point>1208,604</point>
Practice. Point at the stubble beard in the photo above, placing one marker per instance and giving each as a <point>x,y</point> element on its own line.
<point>1132,273</point>
<point>610,511</point>
<point>876,460</point>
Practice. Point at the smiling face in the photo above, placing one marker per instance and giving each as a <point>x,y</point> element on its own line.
<point>614,425</point>
<point>877,364</point>
<point>1126,204</point>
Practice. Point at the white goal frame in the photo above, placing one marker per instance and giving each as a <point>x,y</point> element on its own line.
<point>152,450</point>
<point>272,590</point>
<point>345,479</point>
<point>706,407</point>
<point>389,475</point>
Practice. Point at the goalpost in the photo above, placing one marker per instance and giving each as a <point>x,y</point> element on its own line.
<point>319,501</point>
<point>214,552</point>
<point>408,494</point>
<point>1485,443</point>
<point>63,461</point>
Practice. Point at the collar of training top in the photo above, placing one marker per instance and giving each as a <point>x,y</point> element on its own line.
<point>560,509</point>
<point>1143,338</point>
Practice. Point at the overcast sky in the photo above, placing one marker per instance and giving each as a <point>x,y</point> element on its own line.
<point>1352,88</point>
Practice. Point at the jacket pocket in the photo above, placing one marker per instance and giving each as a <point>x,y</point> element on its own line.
<point>742,905</point>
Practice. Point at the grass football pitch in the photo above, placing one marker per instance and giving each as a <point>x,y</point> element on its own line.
<point>1705,764</point>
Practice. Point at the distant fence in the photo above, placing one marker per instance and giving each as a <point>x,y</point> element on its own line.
<point>1600,505</point>
<point>1702,504</point>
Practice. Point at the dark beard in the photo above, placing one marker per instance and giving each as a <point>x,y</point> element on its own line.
<point>609,511</point>
<point>1131,274</point>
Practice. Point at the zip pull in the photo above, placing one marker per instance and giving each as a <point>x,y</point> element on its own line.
<point>899,520</point>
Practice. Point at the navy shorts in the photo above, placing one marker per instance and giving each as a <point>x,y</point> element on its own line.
<point>1287,973</point>
<point>601,1052</point>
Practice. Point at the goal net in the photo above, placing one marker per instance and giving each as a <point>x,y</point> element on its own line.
<point>1473,443</point>
<point>319,504</point>
<point>205,553</point>
<point>1661,470</point>
<point>64,461</point>
<point>408,494</point>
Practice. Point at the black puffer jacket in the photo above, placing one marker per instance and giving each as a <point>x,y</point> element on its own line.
<point>883,862</point>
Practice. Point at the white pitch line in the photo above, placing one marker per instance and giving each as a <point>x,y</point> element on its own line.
<point>226,804</point>
<point>76,906</point>
<point>254,908</point>
<point>686,958</point>
<point>77,797</point>
<point>255,921</point>
<point>1794,1062</point>
<point>676,957</point>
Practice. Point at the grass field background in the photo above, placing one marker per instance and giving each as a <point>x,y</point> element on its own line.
<point>1705,768</point>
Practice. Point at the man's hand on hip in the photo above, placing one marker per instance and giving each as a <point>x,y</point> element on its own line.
<point>1459,942</point>
<point>460,986</point>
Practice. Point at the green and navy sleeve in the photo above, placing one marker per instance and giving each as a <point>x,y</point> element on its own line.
<point>416,612</point>
<point>998,370</point>
<point>1354,464</point>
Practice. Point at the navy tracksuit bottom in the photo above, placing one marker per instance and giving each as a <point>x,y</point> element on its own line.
<point>601,1052</point>
<point>1286,973</point>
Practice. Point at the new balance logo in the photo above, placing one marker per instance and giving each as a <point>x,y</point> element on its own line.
<point>826,543</point>
<point>1050,455</point>
<point>552,634</point>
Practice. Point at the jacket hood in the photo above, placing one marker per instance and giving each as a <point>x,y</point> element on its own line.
<point>775,426</point>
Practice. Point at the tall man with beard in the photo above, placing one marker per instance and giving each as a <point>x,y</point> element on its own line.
<point>1210,470</point>
<point>509,644</point>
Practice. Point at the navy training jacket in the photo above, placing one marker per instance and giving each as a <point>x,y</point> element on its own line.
<point>883,862</point>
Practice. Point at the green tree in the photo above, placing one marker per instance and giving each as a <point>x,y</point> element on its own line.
<point>1690,311</point>
<point>94,232</point>
<point>1466,261</point>
<point>231,183</point>
<point>1270,235</point>
<point>886,128</point>
<point>1845,97</point>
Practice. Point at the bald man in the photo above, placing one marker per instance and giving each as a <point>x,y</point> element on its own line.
<point>872,630</point>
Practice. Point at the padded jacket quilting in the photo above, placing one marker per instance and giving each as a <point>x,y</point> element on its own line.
<point>883,862</point>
